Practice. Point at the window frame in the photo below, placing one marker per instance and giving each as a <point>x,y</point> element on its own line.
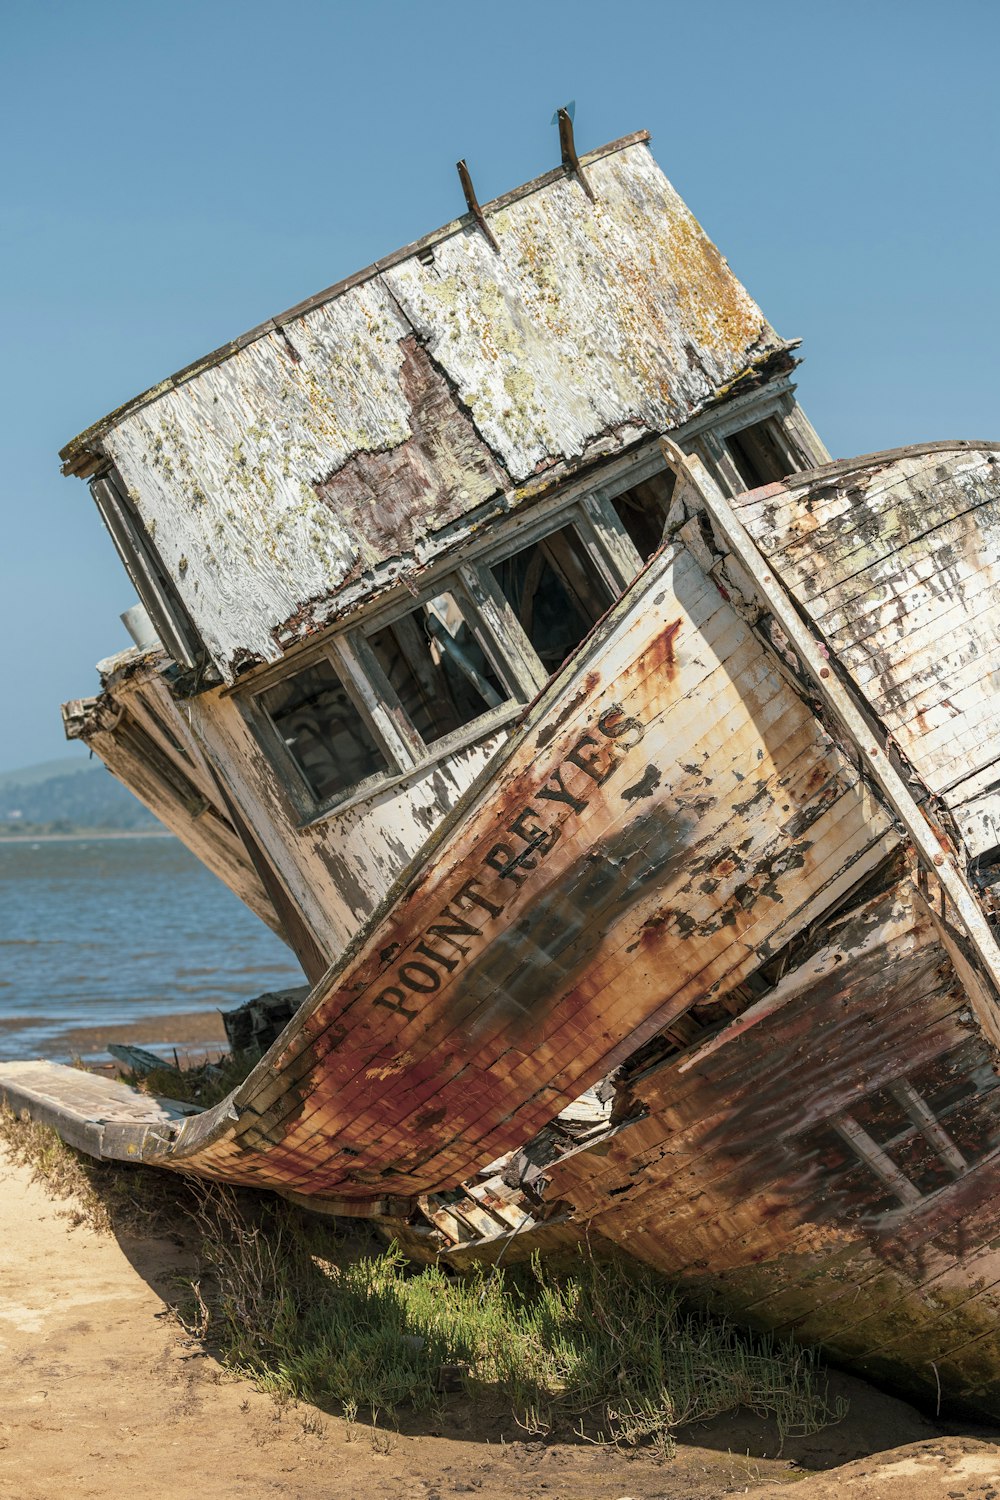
<point>604,540</point>
<point>383,736</point>
<point>307,807</point>
<point>372,621</point>
<point>773,406</point>
<point>155,586</point>
<point>349,652</point>
<point>492,621</point>
<point>585,504</point>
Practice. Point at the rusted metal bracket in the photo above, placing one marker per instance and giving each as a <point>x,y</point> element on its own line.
<point>473,203</point>
<point>568,147</point>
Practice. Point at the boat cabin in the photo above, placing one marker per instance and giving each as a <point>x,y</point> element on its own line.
<point>366,533</point>
<point>704,965</point>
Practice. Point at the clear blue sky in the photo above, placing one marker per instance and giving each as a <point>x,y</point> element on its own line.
<point>176,173</point>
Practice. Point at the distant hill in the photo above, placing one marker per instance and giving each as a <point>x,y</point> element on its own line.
<point>69,765</point>
<point>68,796</point>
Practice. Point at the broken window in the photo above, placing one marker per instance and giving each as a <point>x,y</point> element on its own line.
<point>758,455</point>
<point>556,593</point>
<point>916,1134</point>
<point>437,668</point>
<point>642,510</point>
<point>324,733</point>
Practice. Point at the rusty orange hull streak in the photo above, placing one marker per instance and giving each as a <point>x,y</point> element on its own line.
<point>606,876</point>
<point>698,875</point>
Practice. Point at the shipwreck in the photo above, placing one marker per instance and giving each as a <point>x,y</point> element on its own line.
<point>623,773</point>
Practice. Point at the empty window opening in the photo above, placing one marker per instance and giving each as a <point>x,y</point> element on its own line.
<point>642,510</point>
<point>323,732</point>
<point>757,455</point>
<point>437,669</point>
<point>915,1135</point>
<point>556,593</point>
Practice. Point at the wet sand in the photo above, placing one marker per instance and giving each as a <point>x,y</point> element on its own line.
<point>95,836</point>
<point>194,1034</point>
<point>191,1032</point>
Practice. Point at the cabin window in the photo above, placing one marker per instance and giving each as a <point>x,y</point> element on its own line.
<point>556,593</point>
<point>642,510</point>
<point>757,454</point>
<point>915,1135</point>
<point>323,732</point>
<point>437,668</point>
<point>385,697</point>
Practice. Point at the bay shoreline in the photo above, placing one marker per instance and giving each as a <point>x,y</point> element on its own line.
<point>98,836</point>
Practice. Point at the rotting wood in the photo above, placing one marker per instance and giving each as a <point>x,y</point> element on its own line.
<point>529,385</point>
<point>408,1000</point>
<point>823,670</point>
<point>694,959</point>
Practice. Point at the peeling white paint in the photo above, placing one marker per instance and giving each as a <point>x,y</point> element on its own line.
<point>595,323</point>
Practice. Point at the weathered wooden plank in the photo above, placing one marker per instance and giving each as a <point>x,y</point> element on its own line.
<point>451,380</point>
<point>375,1074</point>
<point>914,620</point>
<point>80,1105</point>
<point>910,598</point>
<point>423,1041</point>
<point>854,1025</point>
<point>871,516</point>
<point>814,661</point>
<point>178,802</point>
<point>966,788</point>
<point>797,508</point>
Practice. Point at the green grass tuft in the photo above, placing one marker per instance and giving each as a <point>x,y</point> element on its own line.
<point>110,1197</point>
<point>605,1350</point>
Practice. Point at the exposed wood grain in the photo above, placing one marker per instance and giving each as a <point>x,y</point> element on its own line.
<point>177,789</point>
<point>912,609</point>
<point>368,428</point>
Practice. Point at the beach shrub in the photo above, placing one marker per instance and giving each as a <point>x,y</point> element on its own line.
<point>603,1349</point>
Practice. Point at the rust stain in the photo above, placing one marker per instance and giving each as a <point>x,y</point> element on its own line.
<point>506,961</point>
<point>547,734</point>
<point>661,651</point>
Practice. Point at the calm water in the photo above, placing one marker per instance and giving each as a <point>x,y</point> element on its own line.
<point>118,930</point>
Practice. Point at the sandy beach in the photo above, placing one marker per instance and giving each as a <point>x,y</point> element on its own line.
<point>103,1393</point>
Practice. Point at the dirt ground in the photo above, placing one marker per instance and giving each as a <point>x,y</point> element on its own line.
<point>101,1394</point>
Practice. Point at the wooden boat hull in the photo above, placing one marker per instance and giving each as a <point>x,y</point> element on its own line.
<point>698,873</point>
<point>832,1170</point>
<point>615,870</point>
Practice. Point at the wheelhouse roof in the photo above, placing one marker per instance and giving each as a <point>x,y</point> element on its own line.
<point>376,424</point>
